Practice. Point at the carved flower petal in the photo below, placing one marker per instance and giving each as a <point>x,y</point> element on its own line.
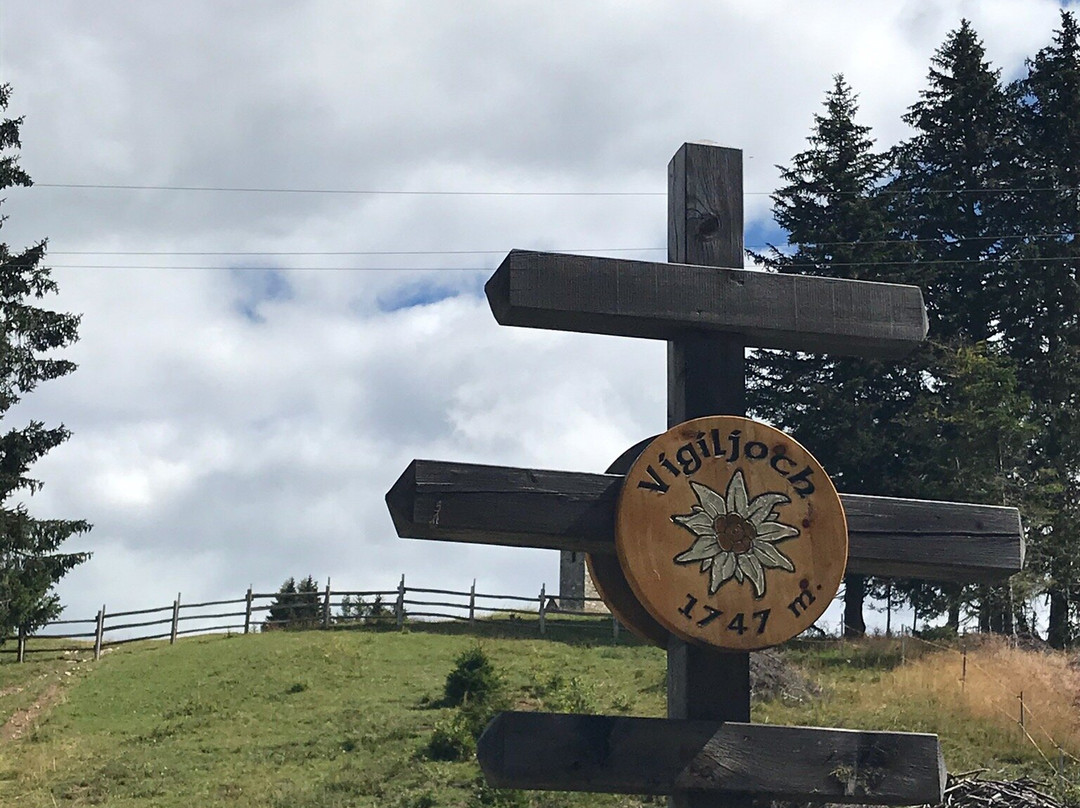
<point>698,522</point>
<point>769,556</point>
<point>736,494</point>
<point>704,547</point>
<point>753,570</point>
<point>711,501</point>
<point>761,507</point>
<point>774,531</point>
<point>722,570</point>
<point>707,563</point>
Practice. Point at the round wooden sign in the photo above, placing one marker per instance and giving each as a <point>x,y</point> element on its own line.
<point>730,533</point>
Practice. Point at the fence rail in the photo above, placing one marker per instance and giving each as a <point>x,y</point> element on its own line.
<point>323,609</point>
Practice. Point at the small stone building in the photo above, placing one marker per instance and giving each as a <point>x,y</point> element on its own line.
<point>576,590</point>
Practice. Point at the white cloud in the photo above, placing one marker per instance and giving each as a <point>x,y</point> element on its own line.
<point>235,427</point>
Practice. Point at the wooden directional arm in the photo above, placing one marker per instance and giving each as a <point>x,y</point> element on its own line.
<point>660,756</point>
<point>945,541</point>
<point>665,301</point>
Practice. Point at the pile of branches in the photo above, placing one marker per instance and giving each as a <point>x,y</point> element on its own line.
<point>969,792</point>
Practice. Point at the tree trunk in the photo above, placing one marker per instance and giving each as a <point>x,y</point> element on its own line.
<point>1058,633</point>
<point>854,595</point>
<point>953,592</point>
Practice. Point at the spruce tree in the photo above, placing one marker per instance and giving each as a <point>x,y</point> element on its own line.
<point>30,561</point>
<point>836,222</point>
<point>1041,321</point>
<point>952,201</point>
<point>947,194</point>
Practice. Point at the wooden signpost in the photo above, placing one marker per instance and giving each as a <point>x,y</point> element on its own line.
<point>730,534</point>
<point>710,529</point>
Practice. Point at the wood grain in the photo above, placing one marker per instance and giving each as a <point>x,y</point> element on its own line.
<point>663,301</point>
<point>562,510</point>
<point>661,756</point>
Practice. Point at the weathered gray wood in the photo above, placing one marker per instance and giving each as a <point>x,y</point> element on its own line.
<point>660,756</point>
<point>706,376</point>
<point>561,510</point>
<point>662,301</point>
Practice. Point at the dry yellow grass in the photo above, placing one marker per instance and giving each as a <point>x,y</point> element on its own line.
<point>990,687</point>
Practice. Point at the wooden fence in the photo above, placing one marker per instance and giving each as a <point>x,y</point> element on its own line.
<point>326,609</point>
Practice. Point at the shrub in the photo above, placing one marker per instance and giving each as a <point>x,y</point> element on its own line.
<point>452,740</point>
<point>473,679</point>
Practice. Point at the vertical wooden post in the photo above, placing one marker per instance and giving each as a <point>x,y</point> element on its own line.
<point>99,633</point>
<point>472,603</point>
<point>543,608</point>
<point>614,628</point>
<point>706,376</point>
<point>1021,709</point>
<point>175,620</point>
<point>399,605</point>
<point>247,610</point>
<point>326,606</point>
<point>20,646</point>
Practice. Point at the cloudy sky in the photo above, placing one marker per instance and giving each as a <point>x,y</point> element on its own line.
<point>276,218</point>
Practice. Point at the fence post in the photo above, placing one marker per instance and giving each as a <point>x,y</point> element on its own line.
<point>543,608</point>
<point>99,633</point>
<point>247,610</point>
<point>1061,762</point>
<point>399,606</point>
<point>903,646</point>
<point>20,646</point>
<point>326,606</point>
<point>614,628</point>
<point>1021,709</point>
<point>472,603</point>
<point>175,620</point>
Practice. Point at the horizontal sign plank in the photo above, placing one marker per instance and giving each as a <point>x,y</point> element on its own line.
<point>663,301</point>
<point>611,754</point>
<point>560,510</point>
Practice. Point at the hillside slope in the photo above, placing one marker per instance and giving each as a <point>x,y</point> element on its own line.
<point>345,718</point>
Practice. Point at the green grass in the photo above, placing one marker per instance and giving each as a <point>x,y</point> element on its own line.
<point>344,718</point>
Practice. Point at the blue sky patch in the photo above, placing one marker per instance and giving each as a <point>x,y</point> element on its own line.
<point>425,292</point>
<point>257,286</point>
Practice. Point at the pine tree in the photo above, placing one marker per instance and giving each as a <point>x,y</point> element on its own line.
<point>947,192</point>
<point>836,221</point>
<point>30,561</point>
<point>280,614</point>
<point>952,202</point>
<point>1041,322</point>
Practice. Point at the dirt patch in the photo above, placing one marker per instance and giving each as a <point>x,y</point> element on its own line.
<point>23,720</point>
<point>773,677</point>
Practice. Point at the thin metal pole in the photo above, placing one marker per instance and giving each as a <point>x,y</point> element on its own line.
<point>963,669</point>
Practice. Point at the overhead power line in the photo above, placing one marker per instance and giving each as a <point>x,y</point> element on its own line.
<point>346,191</point>
<point>808,265</point>
<point>399,192</point>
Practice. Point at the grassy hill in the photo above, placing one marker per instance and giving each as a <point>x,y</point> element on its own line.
<point>345,718</point>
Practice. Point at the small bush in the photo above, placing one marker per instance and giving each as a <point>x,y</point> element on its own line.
<point>473,679</point>
<point>452,739</point>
